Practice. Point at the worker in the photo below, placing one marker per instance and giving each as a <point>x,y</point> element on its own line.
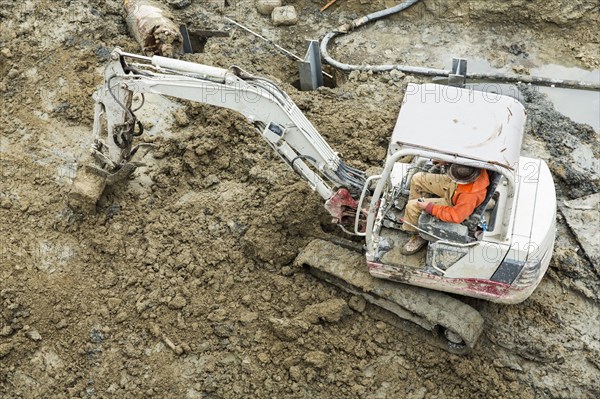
<point>460,191</point>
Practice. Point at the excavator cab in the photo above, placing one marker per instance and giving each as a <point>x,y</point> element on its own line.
<point>502,250</point>
<point>500,253</point>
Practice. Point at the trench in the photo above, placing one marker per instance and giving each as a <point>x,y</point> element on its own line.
<point>575,92</point>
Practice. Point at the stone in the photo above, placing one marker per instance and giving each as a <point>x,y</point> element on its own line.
<point>357,303</point>
<point>211,180</point>
<point>5,349</point>
<point>34,335</point>
<point>397,75</point>
<point>266,7</point>
<point>354,75</point>
<point>288,329</point>
<point>521,69</point>
<point>179,4</point>
<point>181,118</point>
<point>418,394</point>
<point>263,357</point>
<point>316,359</point>
<point>296,373</point>
<point>113,303</point>
<point>330,311</point>
<point>6,331</point>
<point>178,302</point>
<point>284,16</point>
<point>248,317</point>
<point>121,317</point>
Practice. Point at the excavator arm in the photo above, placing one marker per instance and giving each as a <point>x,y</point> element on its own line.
<point>270,110</point>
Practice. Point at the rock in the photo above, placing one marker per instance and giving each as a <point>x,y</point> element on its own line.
<point>247,317</point>
<point>5,349</point>
<point>266,295</point>
<point>357,303</point>
<point>266,7</point>
<point>61,324</point>
<point>305,296</point>
<point>155,330</point>
<point>358,389</point>
<point>397,75</point>
<point>418,394</point>
<point>285,16</point>
<point>288,329</point>
<point>264,357</point>
<point>178,302</point>
<point>96,336</point>
<point>316,359</point>
<point>5,203</point>
<point>181,118</point>
<point>223,330</point>
<point>295,373</point>
<point>211,180</point>
<point>6,331</point>
<point>34,335</point>
<point>178,4</point>
<point>113,303</point>
<point>520,69</point>
<point>247,299</point>
<point>121,317</point>
<point>330,311</point>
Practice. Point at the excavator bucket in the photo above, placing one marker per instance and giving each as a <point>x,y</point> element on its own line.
<point>87,188</point>
<point>90,182</point>
<point>447,322</point>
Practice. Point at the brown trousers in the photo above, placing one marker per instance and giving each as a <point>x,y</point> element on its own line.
<point>424,185</point>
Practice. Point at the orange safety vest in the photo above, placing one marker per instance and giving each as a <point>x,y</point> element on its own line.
<point>466,198</point>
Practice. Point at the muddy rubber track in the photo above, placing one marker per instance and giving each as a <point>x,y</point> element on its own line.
<point>436,313</point>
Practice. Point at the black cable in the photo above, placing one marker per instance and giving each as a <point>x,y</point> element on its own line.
<point>131,116</point>
<point>141,105</point>
<point>301,157</point>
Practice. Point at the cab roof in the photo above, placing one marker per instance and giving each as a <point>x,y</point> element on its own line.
<point>480,125</point>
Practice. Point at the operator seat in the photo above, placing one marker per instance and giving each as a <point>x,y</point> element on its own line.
<point>454,232</point>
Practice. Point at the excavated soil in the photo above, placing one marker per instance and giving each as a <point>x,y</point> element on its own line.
<point>182,284</point>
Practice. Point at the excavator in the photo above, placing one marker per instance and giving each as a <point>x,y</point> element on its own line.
<point>500,253</point>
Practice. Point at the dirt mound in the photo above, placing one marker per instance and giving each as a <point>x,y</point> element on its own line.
<point>181,284</point>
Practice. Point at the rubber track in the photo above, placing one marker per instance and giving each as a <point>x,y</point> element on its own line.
<point>428,310</point>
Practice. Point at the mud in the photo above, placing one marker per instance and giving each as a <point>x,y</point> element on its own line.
<point>181,284</point>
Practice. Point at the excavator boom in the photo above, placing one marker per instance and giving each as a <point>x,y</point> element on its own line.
<point>270,110</point>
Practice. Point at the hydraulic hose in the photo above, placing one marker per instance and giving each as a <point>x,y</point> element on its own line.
<point>500,77</point>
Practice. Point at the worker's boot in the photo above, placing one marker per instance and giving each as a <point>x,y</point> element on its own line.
<point>414,245</point>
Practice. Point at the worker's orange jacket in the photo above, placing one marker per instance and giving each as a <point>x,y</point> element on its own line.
<point>466,198</point>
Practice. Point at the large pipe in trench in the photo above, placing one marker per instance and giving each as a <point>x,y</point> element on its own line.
<point>153,28</point>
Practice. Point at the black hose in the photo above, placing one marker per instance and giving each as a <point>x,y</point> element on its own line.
<point>344,29</point>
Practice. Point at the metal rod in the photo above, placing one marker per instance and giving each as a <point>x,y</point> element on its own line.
<point>135,56</point>
<point>326,6</point>
<point>287,52</point>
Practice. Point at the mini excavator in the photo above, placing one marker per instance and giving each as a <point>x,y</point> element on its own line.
<point>500,253</point>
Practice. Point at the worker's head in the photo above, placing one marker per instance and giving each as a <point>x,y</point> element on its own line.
<point>463,174</point>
